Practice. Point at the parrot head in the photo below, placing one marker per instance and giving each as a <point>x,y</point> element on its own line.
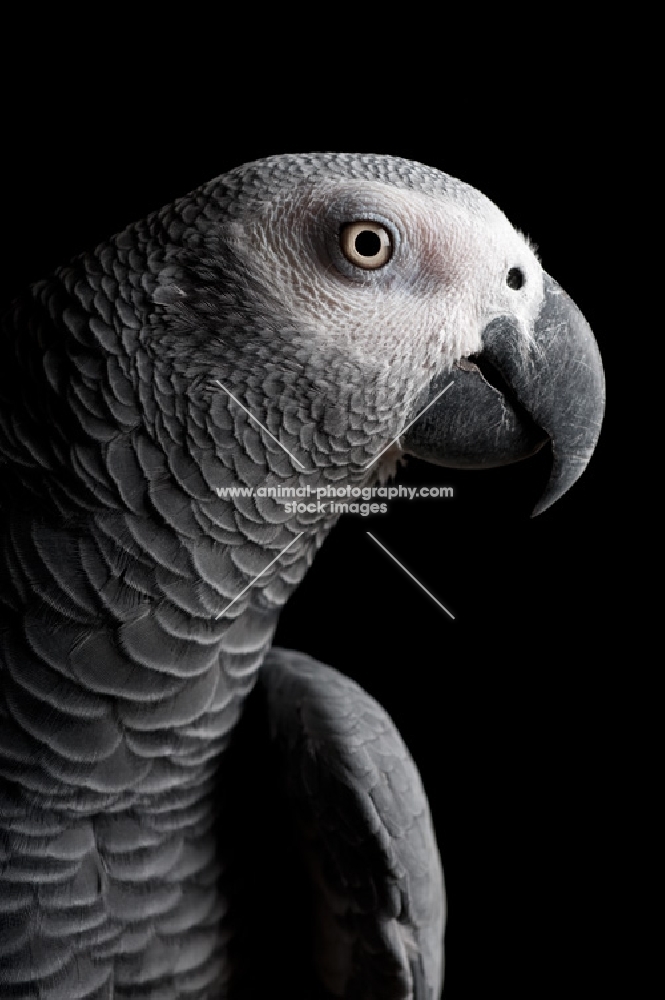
<point>364,306</point>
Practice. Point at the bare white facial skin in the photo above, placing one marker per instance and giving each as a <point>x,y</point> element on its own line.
<point>444,280</point>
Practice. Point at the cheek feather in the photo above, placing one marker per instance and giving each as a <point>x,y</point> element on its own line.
<point>424,311</point>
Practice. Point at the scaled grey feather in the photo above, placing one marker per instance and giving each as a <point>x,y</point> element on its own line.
<point>365,831</point>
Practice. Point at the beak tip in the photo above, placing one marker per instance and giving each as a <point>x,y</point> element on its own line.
<point>566,470</point>
<point>540,508</point>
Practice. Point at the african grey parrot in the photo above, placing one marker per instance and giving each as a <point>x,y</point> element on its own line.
<point>162,833</point>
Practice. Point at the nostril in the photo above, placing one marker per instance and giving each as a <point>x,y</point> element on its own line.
<point>515,278</point>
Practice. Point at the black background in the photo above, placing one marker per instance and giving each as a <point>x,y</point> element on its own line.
<point>511,710</point>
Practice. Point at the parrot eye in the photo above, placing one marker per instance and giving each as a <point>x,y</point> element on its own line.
<point>515,278</point>
<point>366,244</point>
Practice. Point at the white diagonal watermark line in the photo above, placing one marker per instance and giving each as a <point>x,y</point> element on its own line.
<point>252,582</point>
<point>410,574</point>
<point>262,426</point>
<point>405,429</point>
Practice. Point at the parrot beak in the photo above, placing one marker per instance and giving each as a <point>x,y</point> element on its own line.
<point>511,398</point>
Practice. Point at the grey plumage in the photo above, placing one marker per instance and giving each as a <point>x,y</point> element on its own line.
<point>367,834</point>
<point>120,685</point>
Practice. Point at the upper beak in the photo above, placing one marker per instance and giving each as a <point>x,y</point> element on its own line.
<point>507,401</point>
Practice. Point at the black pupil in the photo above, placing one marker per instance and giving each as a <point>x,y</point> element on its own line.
<point>515,278</point>
<point>368,243</point>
